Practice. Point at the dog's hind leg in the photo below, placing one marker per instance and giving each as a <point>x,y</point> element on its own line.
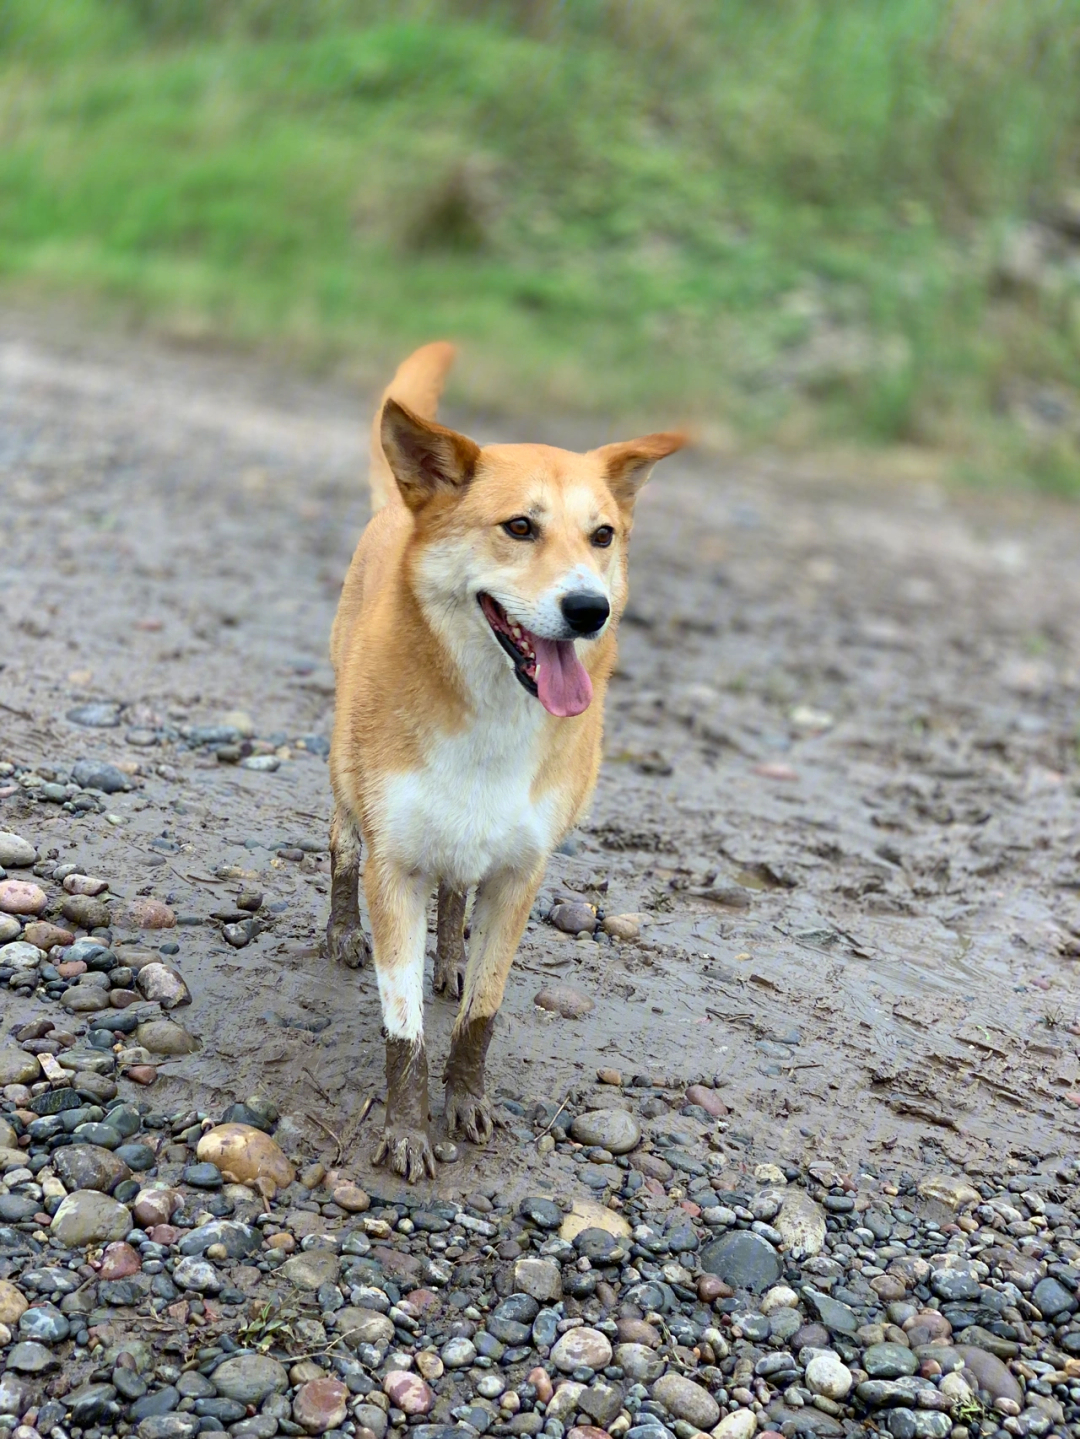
<point>449,977</point>
<point>346,942</point>
<point>501,911</point>
<point>397,903</point>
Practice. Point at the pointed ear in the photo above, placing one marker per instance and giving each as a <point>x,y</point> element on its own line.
<point>628,464</point>
<point>427,459</point>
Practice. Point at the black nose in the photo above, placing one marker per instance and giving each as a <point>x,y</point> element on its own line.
<point>585,611</point>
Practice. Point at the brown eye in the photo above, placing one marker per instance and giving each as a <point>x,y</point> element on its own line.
<point>521,528</point>
<point>603,537</point>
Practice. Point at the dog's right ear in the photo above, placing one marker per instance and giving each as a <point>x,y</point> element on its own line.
<point>427,459</point>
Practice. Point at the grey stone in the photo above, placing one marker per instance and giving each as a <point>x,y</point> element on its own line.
<point>833,1314</point>
<point>889,1361</point>
<point>30,1357</point>
<point>918,1424</point>
<point>249,1378</point>
<point>15,852</point>
<point>238,1239</point>
<point>44,1323</point>
<point>686,1400</point>
<point>742,1259</point>
<point>1052,1299</point>
<point>88,1217</point>
<point>612,1129</point>
<point>197,1274</point>
<point>311,1268</point>
<point>90,1166</point>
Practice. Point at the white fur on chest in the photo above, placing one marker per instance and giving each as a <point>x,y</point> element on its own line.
<point>468,811</point>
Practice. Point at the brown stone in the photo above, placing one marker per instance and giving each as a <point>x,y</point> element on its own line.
<point>71,968</point>
<point>19,896</point>
<point>85,911</point>
<point>710,1288</point>
<point>119,1261</point>
<point>540,1379</point>
<point>707,1099</point>
<point>652,1166</point>
<point>562,1000</point>
<point>164,1234</point>
<point>639,1331</point>
<point>245,1154</point>
<point>145,913</point>
<point>408,1392</point>
<point>351,1198</point>
<point>141,1073</point>
<point>321,1404</point>
<point>155,1206</point>
<point>47,936</point>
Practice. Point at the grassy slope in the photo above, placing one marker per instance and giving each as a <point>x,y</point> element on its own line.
<point>777,213</point>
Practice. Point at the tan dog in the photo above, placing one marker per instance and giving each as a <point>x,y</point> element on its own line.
<point>473,645</point>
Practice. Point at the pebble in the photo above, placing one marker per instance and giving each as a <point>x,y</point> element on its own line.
<point>408,1392</point>
<point>245,1154</point>
<point>624,927</point>
<point>46,936</point>
<point>707,1099</point>
<point>84,1167</point>
<point>686,1400</point>
<point>85,911</point>
<point>574,917</point>
<point>163,985</point>
<point>561,999</point>
<point>743,1260</point>
<point>249,1378</point>
<point>801,1225</point>
<point>13,1303</point>
<point>16,852</point>
<point>96,774</point>
<point>351,1198</point>
<point>18,1067</point>
<point>322,1404</point>
<point>740,1425</point>
<point>612,1129</point>
<point>19,896</point>
<point>142,912</point>
<point>827,1374</point>
<point>162,1036</point>
<point>89,1217</point>
<point>583,1346</point>
<point>85,884</point>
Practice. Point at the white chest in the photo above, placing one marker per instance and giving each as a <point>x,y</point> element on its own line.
<point>468,811</point>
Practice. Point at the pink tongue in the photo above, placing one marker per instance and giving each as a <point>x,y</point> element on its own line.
<point>562,680</point>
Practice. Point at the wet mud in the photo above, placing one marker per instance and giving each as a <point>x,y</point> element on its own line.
<point>841,775</point>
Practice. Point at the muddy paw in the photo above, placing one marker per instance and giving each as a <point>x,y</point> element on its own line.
<point>407,1152</point>
<point>347,945</point>
<point>449,976</point>
<point>472,1114</point>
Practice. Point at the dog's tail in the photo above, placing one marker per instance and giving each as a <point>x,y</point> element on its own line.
<point>418,385</point>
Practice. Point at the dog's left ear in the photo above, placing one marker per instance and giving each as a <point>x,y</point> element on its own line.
<point>427,459</point>
<point>627,465</point>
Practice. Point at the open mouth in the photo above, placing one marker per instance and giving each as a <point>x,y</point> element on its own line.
<point>549,669</point>
<point>516,641</point>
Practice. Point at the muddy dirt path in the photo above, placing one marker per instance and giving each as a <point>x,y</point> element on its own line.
<point>841,777</point>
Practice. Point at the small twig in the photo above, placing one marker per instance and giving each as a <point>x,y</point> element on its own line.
<point>327,1130</point>
<point>318,1086</point>
<point>555,1116</point>
<point>22,714</point>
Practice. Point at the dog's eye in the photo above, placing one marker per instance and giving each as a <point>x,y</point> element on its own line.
<point>603,537</point>
<point>520,527</point>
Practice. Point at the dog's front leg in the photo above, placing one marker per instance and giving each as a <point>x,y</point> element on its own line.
<point>397,903</point>
<point>346,942</point>
<point>449,977</point>
<point>501,911</point>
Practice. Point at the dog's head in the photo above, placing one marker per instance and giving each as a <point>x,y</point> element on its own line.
<point>528,541</point>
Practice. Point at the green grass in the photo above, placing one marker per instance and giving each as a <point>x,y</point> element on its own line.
<point>779,216</point>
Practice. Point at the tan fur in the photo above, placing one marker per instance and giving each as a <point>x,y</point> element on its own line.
<point>420,678</point>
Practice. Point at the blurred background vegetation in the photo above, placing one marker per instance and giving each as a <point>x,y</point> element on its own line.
<point>801,221</point>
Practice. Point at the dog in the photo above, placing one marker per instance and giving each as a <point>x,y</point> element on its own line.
<point>472,648</point>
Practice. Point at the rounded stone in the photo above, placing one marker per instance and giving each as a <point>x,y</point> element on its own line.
<point>19,896</point>
<point>561,999</point>
<point>249,1378</point>
<point>740,1425</point>
<point>245,1154</point>
<point>889,1361</point>
<point>160,983</point>
<point>827,1374</point>
<point>408,1392</point>
<point>742,1259</point>
<point>581,1347</point>
<point>458,1353</point>
<point>162,1036</point>
<point>612,1129</point>
<point>15,852</point>
<point>686,1400</point>
<point>18,1067</point>
<point>363,1326</point>
<point>320,1404</point>
<point>89,1217</point>
<point>13,1303</point>
<point>91,1167</point>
